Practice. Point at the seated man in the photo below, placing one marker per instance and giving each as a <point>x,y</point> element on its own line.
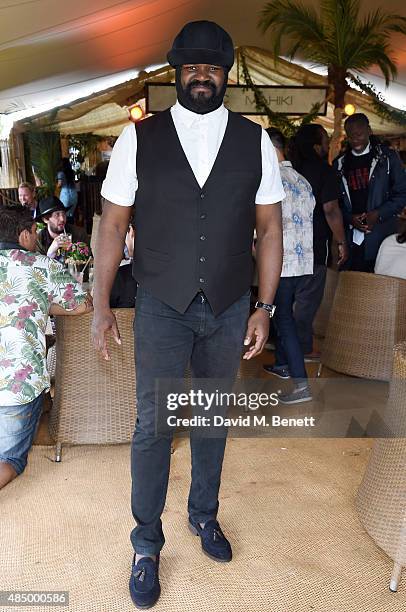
<point>32,286</point>
<point>391,259</point>
<point>52,238</point>
<point>27,197</point>
<point>124,288</point>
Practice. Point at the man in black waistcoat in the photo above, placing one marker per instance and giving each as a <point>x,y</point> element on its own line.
<point>203,178</point>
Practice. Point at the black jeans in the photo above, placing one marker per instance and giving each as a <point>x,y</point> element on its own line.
<point>165,343</point>
<point>357,262</point>
<point>308,299</point>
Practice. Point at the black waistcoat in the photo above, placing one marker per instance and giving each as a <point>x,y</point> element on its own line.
<point>191,238</point>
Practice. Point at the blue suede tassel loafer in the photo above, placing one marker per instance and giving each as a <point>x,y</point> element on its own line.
<point>144,582</point>
<point>214,543</point>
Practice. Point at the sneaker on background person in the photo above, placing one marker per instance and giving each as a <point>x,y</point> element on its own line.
<point>281,371</point>
<point>297,396</point>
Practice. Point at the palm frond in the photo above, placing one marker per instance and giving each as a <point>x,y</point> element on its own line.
<point>338,36</point>
<point>342,26</point>
<point>285,18</point>
<point>375,54</point>
<point>383,24</point>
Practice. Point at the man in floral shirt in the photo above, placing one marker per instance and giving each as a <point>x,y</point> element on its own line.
<point>32,286</point>
<point>297,223</point>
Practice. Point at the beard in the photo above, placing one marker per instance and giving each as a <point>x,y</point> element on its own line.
<point>55,229</point>
<point>200,103</point>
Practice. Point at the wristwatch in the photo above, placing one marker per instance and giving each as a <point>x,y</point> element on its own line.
<point>270,308</point>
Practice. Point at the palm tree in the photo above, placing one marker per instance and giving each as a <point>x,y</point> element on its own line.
<point>335,36</point>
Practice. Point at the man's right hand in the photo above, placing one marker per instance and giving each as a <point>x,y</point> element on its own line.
<point>343,253</point>
<point>59,242</point>
<point>104,322</point>
<point>110,243</point>
<point>359,222</point>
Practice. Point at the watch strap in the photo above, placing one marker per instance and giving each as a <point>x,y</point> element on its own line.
<point>270,308</point>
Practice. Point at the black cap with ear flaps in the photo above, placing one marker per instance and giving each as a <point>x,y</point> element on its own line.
<point>202,42</point>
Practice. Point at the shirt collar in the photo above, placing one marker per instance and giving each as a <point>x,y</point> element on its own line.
<point>286,163</point>
<point>364,152</point>
<point>188,117</point>
<point>5,246</point>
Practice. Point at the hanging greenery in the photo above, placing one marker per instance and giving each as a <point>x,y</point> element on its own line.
<point>86,146</point>
<point>380,107</point>
<point>287,126</point>
<point>45,159</point>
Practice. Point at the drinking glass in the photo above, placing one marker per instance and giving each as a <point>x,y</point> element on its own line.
<point>76,270</point>
<point>91,276</point>
<point>66,241</point>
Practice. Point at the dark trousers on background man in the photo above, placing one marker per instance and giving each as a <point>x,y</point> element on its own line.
<point>309,295</point>
<point>288,350</point>
<point>165,343</point>
<point>357,262</point>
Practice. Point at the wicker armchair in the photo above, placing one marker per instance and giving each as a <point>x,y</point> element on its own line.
<point>323,314</point>
<point>381,499</point>
<point>367,319</point>
<point>94,400</point>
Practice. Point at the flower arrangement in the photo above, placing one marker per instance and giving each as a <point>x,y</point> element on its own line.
<point>78,253</point>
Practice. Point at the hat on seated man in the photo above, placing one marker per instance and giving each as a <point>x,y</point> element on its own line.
<point>53,237</point>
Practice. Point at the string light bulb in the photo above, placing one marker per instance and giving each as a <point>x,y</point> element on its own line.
<point>349,109</point>
<point>135,113</point>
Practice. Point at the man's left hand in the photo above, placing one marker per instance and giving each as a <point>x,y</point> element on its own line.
<point>371,218</point>
<point>257,333</point>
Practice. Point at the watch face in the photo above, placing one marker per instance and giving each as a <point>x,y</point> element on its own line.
<point>270,308</point>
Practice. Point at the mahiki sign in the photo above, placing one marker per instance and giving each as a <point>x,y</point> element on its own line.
<point>295,100</point>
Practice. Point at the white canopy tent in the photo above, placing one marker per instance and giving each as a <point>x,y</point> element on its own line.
<point>105,113</point>
<point>51,51</point>
<point>92,53</point>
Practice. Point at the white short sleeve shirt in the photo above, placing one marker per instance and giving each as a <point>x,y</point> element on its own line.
<point>120,185</point>
<point>391,259</point>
